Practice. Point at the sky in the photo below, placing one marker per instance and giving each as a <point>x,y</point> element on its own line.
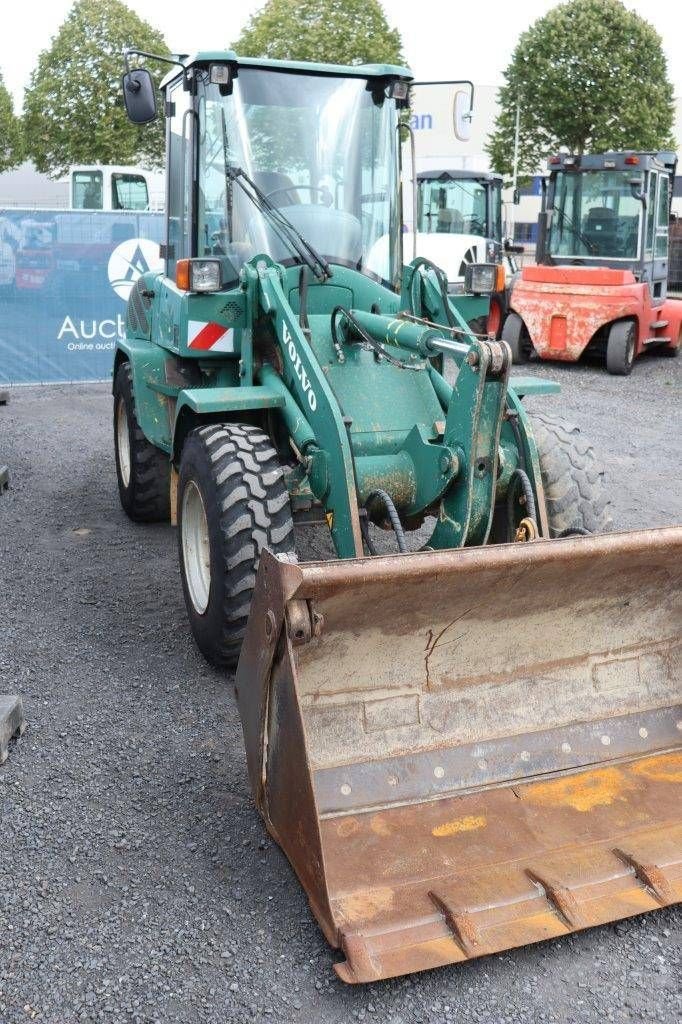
<point>441,38</point>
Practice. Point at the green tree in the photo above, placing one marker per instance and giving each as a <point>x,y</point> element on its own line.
<point>590,76</point>
<point>330,31</point>
<point>11,141</point>
<point>73,108</point>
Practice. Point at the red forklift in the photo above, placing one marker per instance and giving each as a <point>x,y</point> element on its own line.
<point>600,281</point>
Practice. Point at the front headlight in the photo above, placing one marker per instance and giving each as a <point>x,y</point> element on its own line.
<point>204,275</point>
<point>480,278</point>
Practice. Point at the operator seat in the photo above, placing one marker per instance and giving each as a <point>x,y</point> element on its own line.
<point>272,181</point>
<point>450,222</point>
<point>601,229</point>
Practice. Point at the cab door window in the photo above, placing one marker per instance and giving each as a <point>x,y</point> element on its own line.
<point>129,192</point>
<point>651,213</point>
<point>87,191</point>
<point>180,183</point>
<point>662,216</point>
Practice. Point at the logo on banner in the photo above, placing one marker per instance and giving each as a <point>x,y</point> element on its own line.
<point>130,260</point>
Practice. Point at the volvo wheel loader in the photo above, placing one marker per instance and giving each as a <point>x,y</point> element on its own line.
<point>461,748</point>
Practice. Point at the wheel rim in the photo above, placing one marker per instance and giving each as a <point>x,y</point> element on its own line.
<point>196,552</point>
<point>123,442</point>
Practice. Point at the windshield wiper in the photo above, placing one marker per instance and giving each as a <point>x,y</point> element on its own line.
<point>292,236</point>
<point>578,234</point>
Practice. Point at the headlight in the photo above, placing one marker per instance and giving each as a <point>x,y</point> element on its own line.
<point>479,278</point>
<point>204,275</point>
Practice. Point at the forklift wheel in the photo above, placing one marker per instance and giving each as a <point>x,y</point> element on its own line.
<point>515,333</point>
<point>620,348</point>
<point>142,469</point>
<point>232,503</point>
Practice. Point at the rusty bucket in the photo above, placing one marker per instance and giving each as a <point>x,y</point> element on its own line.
<point>466,751</point>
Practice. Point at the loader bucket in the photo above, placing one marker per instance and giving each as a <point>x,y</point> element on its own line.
<point>466,751</point>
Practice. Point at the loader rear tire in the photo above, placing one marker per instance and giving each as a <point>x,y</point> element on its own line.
<point>515,333</point>
<point>232,503</point>
<point>142,469</point>
<point>573,478</point>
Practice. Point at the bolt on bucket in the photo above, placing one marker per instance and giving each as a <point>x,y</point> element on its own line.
<point>466,751</point>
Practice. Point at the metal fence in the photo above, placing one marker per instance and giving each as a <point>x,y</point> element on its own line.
<point>65,277</point>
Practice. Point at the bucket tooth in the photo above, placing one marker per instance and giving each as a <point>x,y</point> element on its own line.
<point>560,898</point>
<point>462,926</point>
<point>651,876</point>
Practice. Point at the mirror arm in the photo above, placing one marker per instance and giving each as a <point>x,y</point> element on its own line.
<point>457,81</point>
<point>175,58</point>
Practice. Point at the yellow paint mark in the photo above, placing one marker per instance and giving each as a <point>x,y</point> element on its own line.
<point>363,906</point>
<point>329,516</point>
<point>468,824</point>
<point>582,792</point>
<point>662,768</point>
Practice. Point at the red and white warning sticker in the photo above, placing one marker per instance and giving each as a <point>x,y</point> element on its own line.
<point>209,337</point>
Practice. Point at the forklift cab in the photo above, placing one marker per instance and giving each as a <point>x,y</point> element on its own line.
<point>610,210</point>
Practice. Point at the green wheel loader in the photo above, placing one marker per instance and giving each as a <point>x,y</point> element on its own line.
<point>461,748</point>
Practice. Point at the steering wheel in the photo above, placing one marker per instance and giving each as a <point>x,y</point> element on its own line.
<point>327,197</point>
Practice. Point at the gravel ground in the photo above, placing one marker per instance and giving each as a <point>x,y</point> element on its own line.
<point>137,882</point>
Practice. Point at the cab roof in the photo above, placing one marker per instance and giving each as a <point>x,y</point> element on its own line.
<point>457,174</point>
<point>206,57</point>
<point>622,161</point>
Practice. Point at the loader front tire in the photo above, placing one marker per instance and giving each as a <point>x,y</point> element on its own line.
<point>142,469</point>
<point>573,478</point>
<point>515,333</point>
<point>232,503</point>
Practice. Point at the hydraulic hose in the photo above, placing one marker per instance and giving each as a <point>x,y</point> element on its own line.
<point>392,515</point>
<point>527,488</point>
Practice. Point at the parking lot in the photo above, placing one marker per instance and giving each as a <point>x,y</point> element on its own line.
<point>137,882</point>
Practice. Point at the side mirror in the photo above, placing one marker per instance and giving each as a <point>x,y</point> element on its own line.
<point>139,96</point>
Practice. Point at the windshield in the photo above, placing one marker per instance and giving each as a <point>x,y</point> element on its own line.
<point>452,207</point>
<point>595,214</point>
<point>323,149</point>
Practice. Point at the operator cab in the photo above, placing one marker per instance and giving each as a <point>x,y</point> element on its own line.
<point>456,202</point>
<point>610,210</point>
<point>284,158</point>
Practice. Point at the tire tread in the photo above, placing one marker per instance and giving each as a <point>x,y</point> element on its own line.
<point>572,476</point>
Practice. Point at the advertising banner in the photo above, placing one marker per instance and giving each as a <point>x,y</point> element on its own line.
<point>65,277</point>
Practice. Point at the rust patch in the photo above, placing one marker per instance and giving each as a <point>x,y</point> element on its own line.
<point>347,827</point>
<point>467,824</point>
<point>380,826</point>
<point>363,906</point>
<point>662,767</point>
<point>582,792</point>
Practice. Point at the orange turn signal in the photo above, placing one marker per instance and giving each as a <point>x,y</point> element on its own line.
<point>500,279</point>
<point>182,275</point>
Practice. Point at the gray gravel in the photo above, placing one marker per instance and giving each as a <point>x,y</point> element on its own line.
<point>136,880</point>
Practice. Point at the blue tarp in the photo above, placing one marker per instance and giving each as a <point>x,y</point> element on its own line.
<point>64,280</point>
